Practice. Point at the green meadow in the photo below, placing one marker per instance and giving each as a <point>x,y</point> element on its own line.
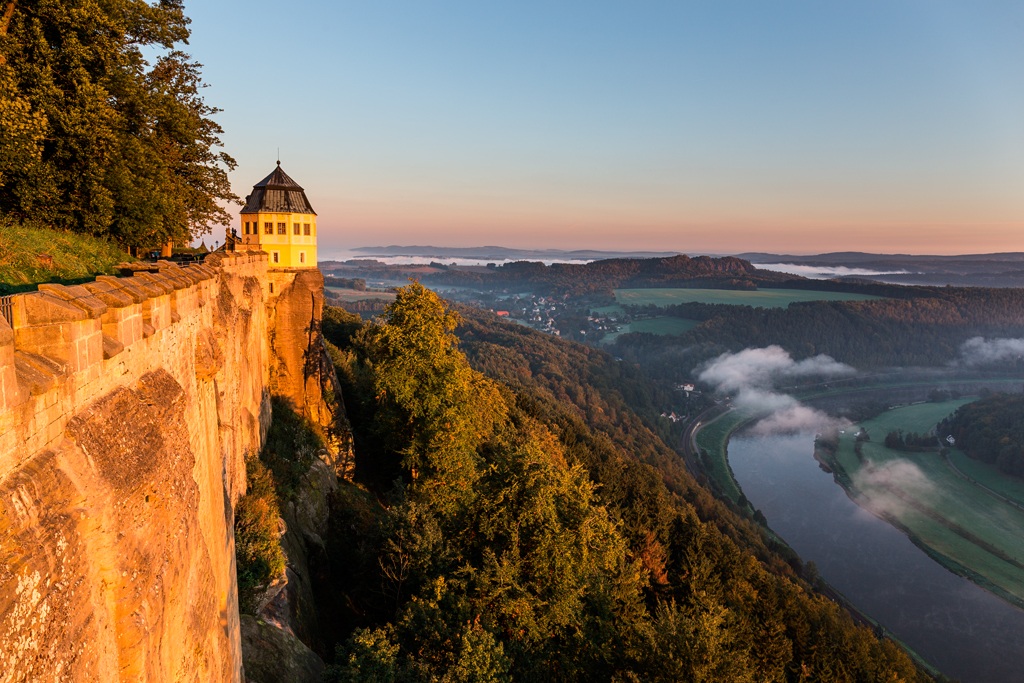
<point>663,325</point>
<point>355,295</point>
<point>765,298</point>
<point>713,438</point>
<point>965,527</point>
<point>988,475</point>
<point>666,326</point>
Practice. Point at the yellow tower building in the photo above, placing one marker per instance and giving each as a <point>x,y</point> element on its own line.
<point>278,219</point>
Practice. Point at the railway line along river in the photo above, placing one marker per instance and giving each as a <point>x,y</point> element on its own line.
<point>966,632</point>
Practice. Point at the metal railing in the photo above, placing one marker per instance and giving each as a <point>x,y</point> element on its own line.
<point>7,309</point>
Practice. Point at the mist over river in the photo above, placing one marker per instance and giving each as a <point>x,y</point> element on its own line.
<point>967,633</point>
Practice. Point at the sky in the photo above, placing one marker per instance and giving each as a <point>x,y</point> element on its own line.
<point>701,127</point>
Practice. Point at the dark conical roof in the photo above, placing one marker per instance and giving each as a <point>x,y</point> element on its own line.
<point>279,193</point>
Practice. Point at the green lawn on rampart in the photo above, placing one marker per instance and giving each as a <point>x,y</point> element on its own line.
<point>25,250</point>
<point>949,515</point>
<point>765,298</point>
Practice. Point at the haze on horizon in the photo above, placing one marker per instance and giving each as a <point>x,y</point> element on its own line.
<point>795,127</point>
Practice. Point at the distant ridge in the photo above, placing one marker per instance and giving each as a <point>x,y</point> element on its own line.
<point>505,253</point>
<point>864,257</point>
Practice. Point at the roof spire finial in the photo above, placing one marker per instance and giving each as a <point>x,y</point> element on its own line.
<point>278,156</point>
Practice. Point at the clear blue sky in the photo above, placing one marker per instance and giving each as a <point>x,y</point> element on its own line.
<point>711,126</point>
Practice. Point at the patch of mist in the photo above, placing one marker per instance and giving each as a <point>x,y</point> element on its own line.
<point>816,272</point>
<point>751,375</point>
<point>760,368</point>
<point>879,484</point>
<point>981,351</point>
<point>799,419</point>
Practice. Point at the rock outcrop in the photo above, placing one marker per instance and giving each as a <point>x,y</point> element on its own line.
<point>273,655</point>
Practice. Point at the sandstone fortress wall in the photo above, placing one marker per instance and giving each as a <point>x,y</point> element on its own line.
<point>127,406</point>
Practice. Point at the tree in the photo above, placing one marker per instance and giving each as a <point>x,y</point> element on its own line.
<point>96,139</point>
<point>433,408</point>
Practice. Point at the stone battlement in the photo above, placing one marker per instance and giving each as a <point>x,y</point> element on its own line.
<point>127,406</point>
<point>68,344</point>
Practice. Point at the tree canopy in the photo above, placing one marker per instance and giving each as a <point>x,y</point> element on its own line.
<point>538,539</point>
<point>93,137</point>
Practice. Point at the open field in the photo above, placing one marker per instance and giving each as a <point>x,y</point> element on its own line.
<point>765,298</point>
<point>988,475</point>
<point>354,295</point>
<point>652,326</point>
<point>962,525</point>
<point>663,325</point>
<point>712,438</point>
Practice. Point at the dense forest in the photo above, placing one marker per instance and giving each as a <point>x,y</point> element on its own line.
<point>526,520</point>
<point>991,430</point>
<point>927,330</point>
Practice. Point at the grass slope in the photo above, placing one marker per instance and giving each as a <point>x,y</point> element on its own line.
<point>960,524</point>
<point>712,438</point>
<point>75,257</point>
<point>765,298</point>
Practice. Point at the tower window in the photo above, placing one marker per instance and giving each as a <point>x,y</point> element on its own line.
<point>305,229</point>
<point>247,227</point>
<point>277,257</point>
<point>295,228</point>
<point>302,257</point>
<point>282,228</point>
<point>268,228</point>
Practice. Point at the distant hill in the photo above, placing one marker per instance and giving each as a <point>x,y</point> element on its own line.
<point>600,277</point>
<point>965,270</point>
<point>492,253</point>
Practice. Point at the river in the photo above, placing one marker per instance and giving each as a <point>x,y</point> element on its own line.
<point>966,632</point>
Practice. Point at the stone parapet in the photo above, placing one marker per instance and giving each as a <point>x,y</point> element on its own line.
<point>68,344</point>
<point>127,405</point>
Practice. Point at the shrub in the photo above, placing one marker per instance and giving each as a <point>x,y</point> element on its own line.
<point>258,555</point>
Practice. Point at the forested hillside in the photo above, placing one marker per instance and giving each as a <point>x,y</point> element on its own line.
<point>925,330</point>
<point>991,430</point>
<point>532,526</point>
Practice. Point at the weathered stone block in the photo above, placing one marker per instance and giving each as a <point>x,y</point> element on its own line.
<point>154,282</point>
<point>111,347</point>
<point>77,295</point>
<point>37,374</point>
<point>42,308</point>
<point>10,395</point>
<point>129,286</point>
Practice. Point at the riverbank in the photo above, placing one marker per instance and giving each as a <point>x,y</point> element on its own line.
<point>712,439</point>
<point>951,622</point>
<point>961,525</point>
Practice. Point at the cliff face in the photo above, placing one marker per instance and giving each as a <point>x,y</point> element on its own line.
<point>126,408</point>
